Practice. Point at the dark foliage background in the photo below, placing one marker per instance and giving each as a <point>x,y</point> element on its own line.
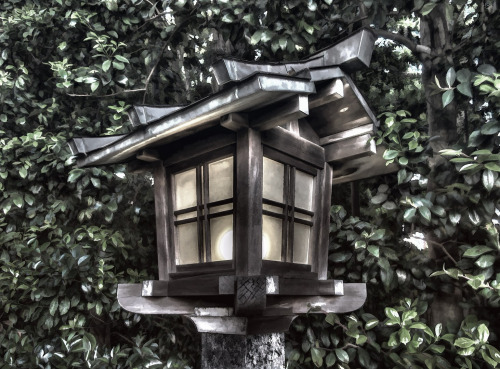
<point>426,242</point>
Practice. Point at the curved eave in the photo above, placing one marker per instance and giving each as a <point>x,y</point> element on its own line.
<point>256,92</point>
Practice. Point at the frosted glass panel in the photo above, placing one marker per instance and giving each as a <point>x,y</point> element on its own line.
<point>221,233</point>
<point>191,214</point>
<point>220,179</point>
<point>187,244</point>
<point>303,216</point>
<point>271,238</point>
<point>274,209</point>
<point>220,208</point>
<point>273,177</point>
<point>304,186</point>
<point>301,236</point>
<point>185,189</point>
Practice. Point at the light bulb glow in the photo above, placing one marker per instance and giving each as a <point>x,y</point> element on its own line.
<point>225,246</point>
<point>266,246</point>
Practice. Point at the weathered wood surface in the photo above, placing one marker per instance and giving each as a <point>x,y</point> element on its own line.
<point>248,207</point>
<point>130,298</point>
<point>354,297</point>
<point>280,139</point>
<point>165,256</point>
<point>332,91</point>
<point>362,168</point>
<point>350,148</point>
<point>269,117</point>
<point>324,226</point>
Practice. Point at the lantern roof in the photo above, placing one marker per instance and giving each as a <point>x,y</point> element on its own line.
<point>317,91</point>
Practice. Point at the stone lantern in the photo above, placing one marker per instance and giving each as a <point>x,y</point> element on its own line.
<point>242,183</point>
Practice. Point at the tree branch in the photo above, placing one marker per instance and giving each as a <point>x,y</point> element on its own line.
<point>109,95</point>
<point>415,48</point>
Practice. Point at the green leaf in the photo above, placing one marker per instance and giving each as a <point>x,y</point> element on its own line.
<point>427,8</point>
<point>64,306</point>
<point>390,154</point>
<point>404,336</point>
<point>485,261</point>
<point>17,199</point>
<point>438,329</point>
<point>489,179</point>
<point>469,167</point>
<point>256,37</point>
<point>391,313</point>
<point>361,340</point>
<point>475,283</point>
<point>106,65</point>
<point>228,18</point>
<point>23,172</point>
<point>403,161</point>
<point>490,128</point>
<point>370,324</point>
<point>249,18</point>
<point>464,75</point>
<point>486,69</point>
<point>118,65</point>
<point>94,86</point>
<point>448,96</point>
<point>463,342</point>
<point>466,351</point>
<point>488,359</point>
<point>425,212</point>
<point>342,355</point>
<point>465,89</point>
<point>492,166</point>
<point>121,58</point>
<point>364,357</point>
<point>495,354</point>
<point>402,174</point>
<point>409,214</point>
<point>483,332</point>
<point>477,251</point>
<point>374,250</point>
<point>377,235</point>
<point>83,259</point>
<point>330,360</point>
<point>379,198</point>
<point>421,326</point>
<point>359,244</point>
<point>450,77</point>
<point>53,306</point>
<point>316,357</point>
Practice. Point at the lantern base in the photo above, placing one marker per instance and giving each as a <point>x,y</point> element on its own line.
<point>216,314</point>
<point>242,352</point>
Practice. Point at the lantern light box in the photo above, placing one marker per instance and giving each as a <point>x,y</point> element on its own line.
<point>242,183</point>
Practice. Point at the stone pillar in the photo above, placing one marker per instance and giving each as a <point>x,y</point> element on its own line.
<point>265,351</point>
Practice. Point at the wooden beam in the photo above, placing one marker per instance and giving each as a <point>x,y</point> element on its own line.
<point>248,207</point>
<point>269,117</point>
<point>350,148</point>
<point>234,121</point>
<point>354,297</point>
<point>150,156</point>
<point>332,91</point>
<point>361,168</point>
<point>350,133</point>
<point>130,298</point>
<point>154,288</point>
<point>324,227</point>
<point>165,257</point>
<point>280,139</point>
